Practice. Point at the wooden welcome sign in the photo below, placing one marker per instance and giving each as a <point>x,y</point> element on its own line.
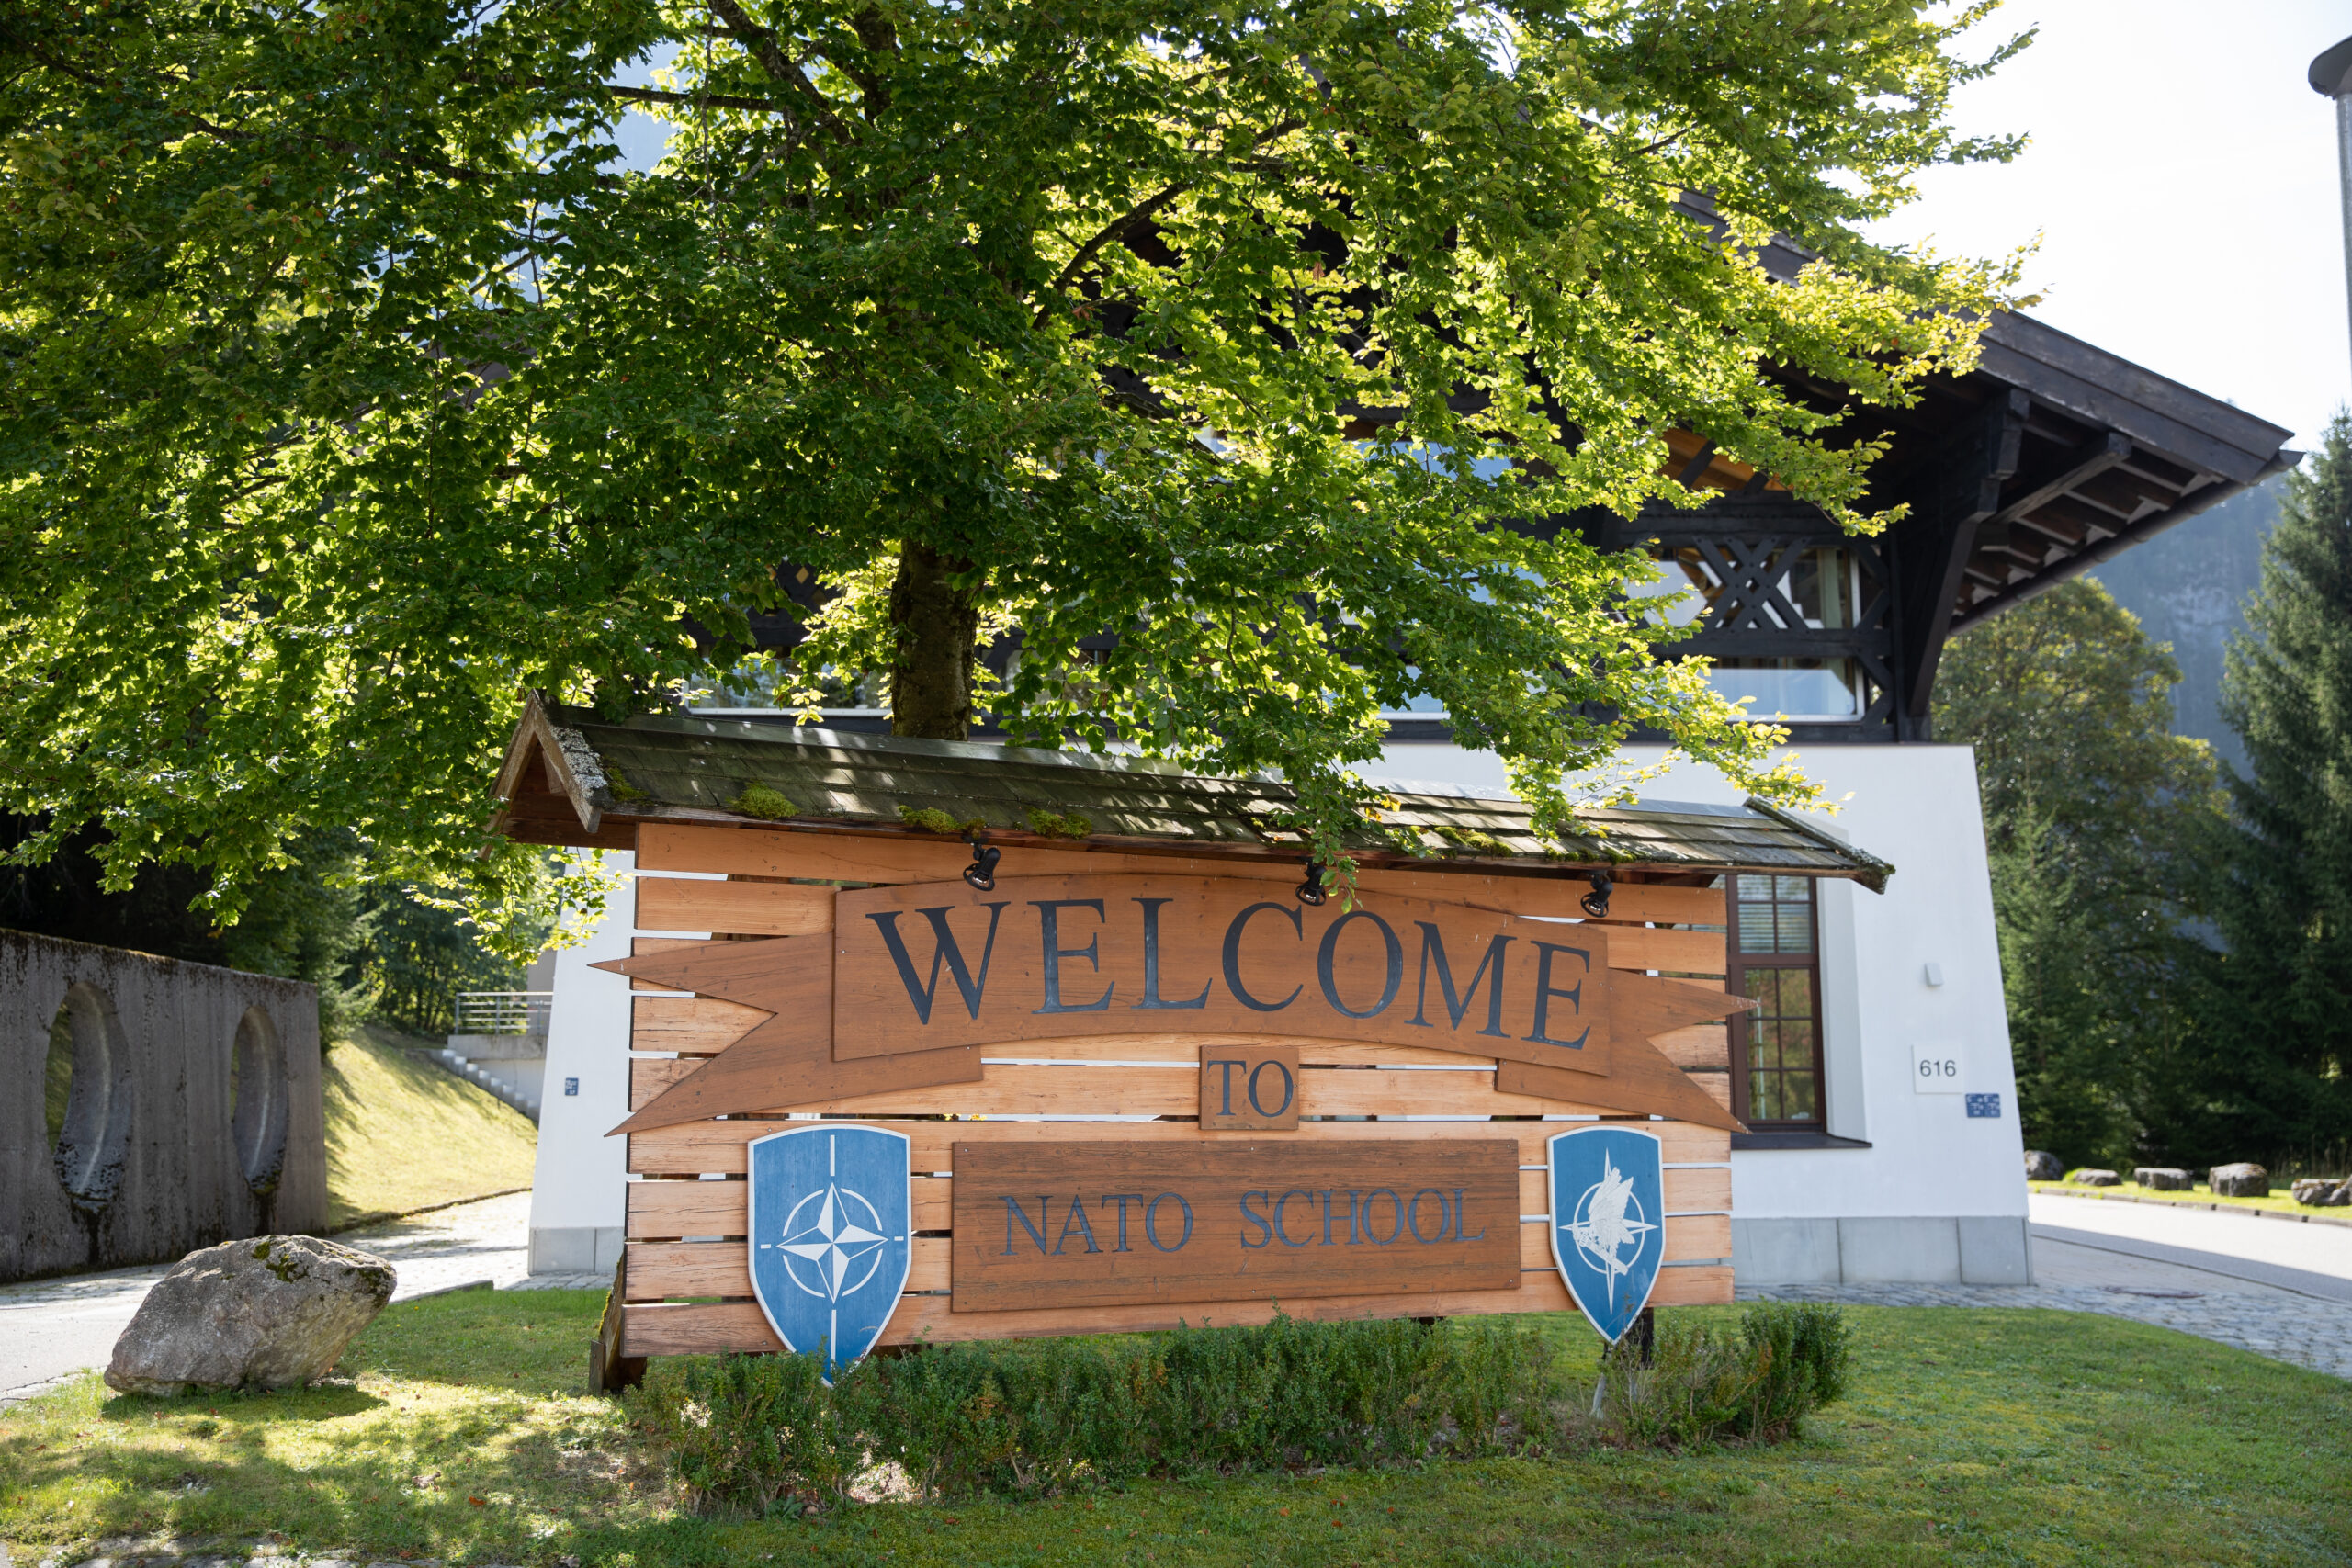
<point>1343,1110</point>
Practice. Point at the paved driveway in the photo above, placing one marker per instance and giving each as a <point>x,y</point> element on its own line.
<point>2276,1287</point>
<point>53,1329</point>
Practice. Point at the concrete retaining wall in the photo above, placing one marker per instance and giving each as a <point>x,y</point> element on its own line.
<point>153,1162</point>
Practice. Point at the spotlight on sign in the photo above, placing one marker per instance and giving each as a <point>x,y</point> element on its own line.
<point>981,873</point>
<point>1310,892</point>
<point>1596,903</point>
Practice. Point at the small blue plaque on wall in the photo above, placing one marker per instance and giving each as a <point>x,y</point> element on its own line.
<point>1984,1105</point>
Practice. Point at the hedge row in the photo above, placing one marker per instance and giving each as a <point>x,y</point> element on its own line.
<point>1024,1417</point>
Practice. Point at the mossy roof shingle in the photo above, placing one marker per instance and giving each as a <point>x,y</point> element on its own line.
<point>683,767</point>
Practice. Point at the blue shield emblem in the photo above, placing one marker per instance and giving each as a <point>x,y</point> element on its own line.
<point>1608,1221</point>
<point>831,1212</point>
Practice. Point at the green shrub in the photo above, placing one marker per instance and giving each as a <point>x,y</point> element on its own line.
<point>1029,1416</point>
<point>1047,1415</point>
<point>1788,1359</point>
<point>1054,824</point>
<point>738,1432</point>
<point>1804,1353</point>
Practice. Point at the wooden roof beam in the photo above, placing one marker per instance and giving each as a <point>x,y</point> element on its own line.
<point>2085,463</point>
<point>2063,535</point>
<point>2096,524</point>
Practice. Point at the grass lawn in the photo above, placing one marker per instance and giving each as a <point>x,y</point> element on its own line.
<point>1992,1437</point>
<point>2279,1201</point>
<point>404,1134</point>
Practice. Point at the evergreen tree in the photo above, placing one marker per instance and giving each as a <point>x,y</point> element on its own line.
<point>2093,812</point>
<point>2270,1083</point>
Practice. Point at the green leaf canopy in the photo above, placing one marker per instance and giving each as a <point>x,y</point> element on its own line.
<point>351,383</point>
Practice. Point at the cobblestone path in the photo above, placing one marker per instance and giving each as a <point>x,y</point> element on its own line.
<point>2287,1327</point>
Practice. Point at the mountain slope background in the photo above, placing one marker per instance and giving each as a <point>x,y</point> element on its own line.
<point>2189,587</point>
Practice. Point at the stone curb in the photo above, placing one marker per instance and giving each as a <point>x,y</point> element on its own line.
<point>391,1216</point>
<point>2060,1189</point>
<point>448,1289</point>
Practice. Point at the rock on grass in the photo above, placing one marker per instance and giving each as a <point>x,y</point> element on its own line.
<point>271,1312</point>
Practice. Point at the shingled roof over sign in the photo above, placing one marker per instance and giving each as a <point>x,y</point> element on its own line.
<point>572,778</point>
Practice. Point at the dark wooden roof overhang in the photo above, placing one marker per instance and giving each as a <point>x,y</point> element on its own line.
<point>574,779</point>
<point>2049,458</point>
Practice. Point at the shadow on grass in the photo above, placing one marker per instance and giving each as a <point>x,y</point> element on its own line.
<point>1981,1436</point>
<point>251,1410</point>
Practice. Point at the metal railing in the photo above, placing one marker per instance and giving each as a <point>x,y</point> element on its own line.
<point>502,1012</point>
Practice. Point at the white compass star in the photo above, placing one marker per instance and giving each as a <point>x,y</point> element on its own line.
<point>833,1242</point>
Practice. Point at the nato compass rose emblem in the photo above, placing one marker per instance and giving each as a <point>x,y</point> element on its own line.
<point>831,1212</point>
<point>1608,1209</point>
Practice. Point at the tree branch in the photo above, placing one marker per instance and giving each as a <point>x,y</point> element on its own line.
<point>721,100</point>
<point>761,42</point>
<point>224,133</point>
<point>1140,212</point>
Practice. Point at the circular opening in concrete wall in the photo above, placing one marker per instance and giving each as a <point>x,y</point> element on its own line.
<point>257,1101</point>
<point>89,1096</point>
<point>57,1081</point>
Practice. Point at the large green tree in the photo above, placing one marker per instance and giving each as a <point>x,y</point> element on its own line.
<point>350,383</point>
<point>2096,817</point>
<point>2275,1076</point>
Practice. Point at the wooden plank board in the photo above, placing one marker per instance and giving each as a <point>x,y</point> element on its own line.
<point>1183,1048</point>
<point>1250,1089</point>
<point>717,1146</point>
<point>753,908</point>
<point>1687,1192</point>
<point>1701,1047</point>
<point>689,1025</point>
<point>884,860</point>
<point>1046,956</point>
<point>1148,1092</point>
<point>682,1330</point>
<point>789,1057</point>
<point>1659,947</point>
<point>723,1208</point>
<point>661,1270</point>
<point>1230,1220</point>
<point>646,946</point>
<point>658,1270</point>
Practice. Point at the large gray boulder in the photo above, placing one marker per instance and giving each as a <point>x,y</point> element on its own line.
<point>2089,1177</point>
<point>2164,1179</point>
<point>2040,1165</point>
<point>2318,1191</point>
<point>2244,1179</point>
<point>274,1312</point>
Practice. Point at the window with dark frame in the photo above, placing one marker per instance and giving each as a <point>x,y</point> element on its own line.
<point>1775,957</point>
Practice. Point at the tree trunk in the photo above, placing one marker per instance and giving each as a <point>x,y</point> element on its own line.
<point>938,624</point>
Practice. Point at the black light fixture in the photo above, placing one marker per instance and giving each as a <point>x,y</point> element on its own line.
<point>1596,903</point>
<point>1310,892</point>
<point>981,873</point>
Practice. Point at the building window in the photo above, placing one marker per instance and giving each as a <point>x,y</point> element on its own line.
<point>1775,958</point>
<point>1764,586</point>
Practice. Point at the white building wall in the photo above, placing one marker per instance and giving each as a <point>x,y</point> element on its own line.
<point>1936,1196</point>
<point>576,1186</point>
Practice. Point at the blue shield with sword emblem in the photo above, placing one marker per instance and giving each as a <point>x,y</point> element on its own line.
<point>831,1213</point>
<point>1608,1221</point>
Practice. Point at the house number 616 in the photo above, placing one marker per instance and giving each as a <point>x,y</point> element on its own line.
<point>1935,1069</point>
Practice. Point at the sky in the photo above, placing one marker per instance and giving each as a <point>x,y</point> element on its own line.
<point>2182,176</point>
